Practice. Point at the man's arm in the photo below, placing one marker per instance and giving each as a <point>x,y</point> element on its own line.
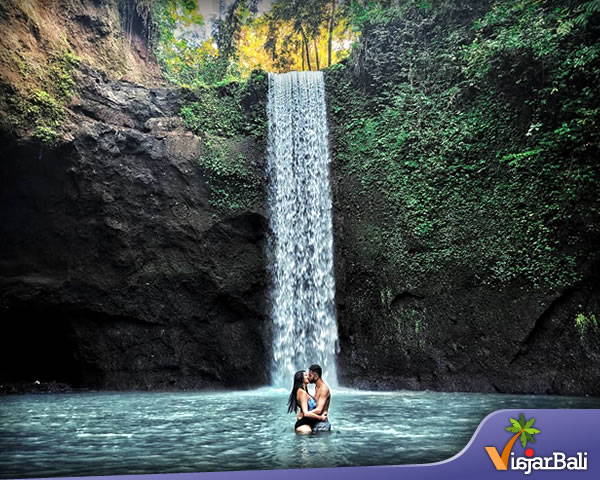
<point>304,409</point>
<point>321,398</point>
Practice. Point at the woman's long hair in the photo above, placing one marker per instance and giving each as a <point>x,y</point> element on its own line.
<point>298,383</point>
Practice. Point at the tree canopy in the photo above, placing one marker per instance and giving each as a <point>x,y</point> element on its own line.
<point>292,35</point>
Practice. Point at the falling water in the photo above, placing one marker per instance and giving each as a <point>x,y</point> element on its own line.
<point>301,237</point>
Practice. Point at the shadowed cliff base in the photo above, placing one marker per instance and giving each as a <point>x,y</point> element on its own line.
<point>119,266</point>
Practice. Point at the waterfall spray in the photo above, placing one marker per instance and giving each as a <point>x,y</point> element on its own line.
<point>301,233</point>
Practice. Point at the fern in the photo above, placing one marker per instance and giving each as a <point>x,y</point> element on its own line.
<point>587,9</point>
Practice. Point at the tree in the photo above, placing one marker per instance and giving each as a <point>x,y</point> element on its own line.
<point>307,18</point>
<point>330,32</point>
<point>227,28</point>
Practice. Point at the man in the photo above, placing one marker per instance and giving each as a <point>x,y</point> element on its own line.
<point>322,396</point>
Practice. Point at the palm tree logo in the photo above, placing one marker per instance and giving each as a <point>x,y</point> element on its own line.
<point>521,428</point>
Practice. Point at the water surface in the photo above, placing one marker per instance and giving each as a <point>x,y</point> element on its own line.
<point>134,433</point>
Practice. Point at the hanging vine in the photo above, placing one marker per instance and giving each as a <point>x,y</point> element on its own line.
<point>136,16</point>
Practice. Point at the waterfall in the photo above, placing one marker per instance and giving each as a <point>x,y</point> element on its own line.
<point>301,233</point>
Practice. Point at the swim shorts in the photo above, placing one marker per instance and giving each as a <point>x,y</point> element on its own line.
<point>306,421</point>
<point>322,427</point>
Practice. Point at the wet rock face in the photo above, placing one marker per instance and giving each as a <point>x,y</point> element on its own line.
<point>451,331</point>
<point>112,239</point>
<point>117,271</point>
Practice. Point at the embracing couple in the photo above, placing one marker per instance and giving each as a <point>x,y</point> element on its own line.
<point>312,416</point>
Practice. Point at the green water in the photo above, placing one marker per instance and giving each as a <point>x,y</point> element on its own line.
<point>129,433</point>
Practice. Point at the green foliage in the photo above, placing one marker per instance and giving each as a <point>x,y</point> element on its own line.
<point>365,13</point>
<point>238,108</point>
<point>218,114</point>
<point>41,108</point>
<point>233,186</point>
<point>227,29</point>
<point>42,111</point>
<point>45,135</point>
<point>253,99</point>
<point>471,158</point>
<point>189,5</point>
<point>514,45</point>
<point>307,18</point>
<point>587,10</point>
<point>185,60</point>
<point>584,323</point>
<point>410,325</point>
<point>61,71</point>
<point>519,159</point>
<point>386,296</point>
<point>223,117</point>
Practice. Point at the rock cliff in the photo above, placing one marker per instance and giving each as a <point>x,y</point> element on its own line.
<point>118,269</point>
<point>132,244</point>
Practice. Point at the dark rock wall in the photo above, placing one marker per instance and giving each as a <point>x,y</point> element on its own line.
<point>452,333</point>
<point>122,266</point>
<point>456,270</point>
<point>110,242</point>
<point>117,271</point>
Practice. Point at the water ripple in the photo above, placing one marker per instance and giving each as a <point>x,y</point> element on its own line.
<point>141,433</point>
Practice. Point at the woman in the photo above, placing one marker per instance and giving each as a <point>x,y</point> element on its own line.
<point>300,399</point>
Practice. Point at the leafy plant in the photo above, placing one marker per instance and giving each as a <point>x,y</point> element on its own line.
<point>470,160</point>
<point>42,108</point>
<point>585,323</point>
<point>586,11</point>
<point>46,135</point>
<point>62,66</point>
<point>233,185</point>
